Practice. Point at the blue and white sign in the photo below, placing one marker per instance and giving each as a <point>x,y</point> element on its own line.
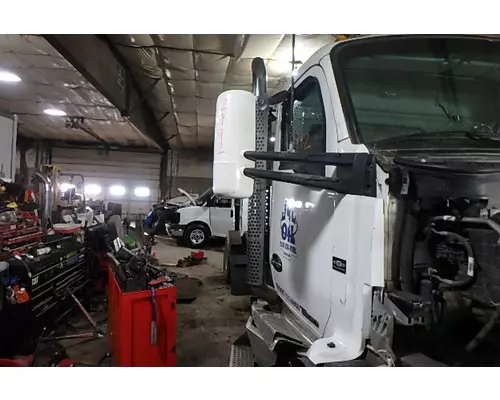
<point>288,229</point>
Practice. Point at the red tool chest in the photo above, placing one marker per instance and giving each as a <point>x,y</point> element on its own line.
<point>129,326</point>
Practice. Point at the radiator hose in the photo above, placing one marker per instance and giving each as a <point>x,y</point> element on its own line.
<point>471,220</point>
<point>406,252</point>
<point>479,338</point>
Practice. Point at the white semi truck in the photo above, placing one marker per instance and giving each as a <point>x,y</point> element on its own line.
<point>379,244</point>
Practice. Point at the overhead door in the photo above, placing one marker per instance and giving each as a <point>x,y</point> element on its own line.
<point>129,178</point>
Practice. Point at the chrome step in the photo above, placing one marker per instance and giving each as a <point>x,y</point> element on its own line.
<point>241,356</point>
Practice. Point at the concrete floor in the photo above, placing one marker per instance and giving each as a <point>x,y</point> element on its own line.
<point>206,327</point>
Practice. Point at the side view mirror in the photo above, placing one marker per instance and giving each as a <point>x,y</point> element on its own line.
<point>234,135</point>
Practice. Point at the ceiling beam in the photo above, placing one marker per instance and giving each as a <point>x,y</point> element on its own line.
<point>105,69</point>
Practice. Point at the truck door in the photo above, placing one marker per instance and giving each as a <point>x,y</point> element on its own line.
<point>318,236</point>
<point>221,216</point>
<point>326,248</point>
<point>301,218</point>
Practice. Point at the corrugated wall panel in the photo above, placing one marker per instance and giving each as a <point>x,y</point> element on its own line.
<point>190,185</point>
<point>192,171</point>
<point>129,169</point>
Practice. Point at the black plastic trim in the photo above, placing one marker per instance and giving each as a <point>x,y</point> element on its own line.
<point>177,227</point>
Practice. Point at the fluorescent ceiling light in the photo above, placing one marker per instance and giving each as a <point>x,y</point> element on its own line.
<point>9,77</point>
<point>54,112</point>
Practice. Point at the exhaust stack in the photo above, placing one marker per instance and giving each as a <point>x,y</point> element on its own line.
<point>258,210</point>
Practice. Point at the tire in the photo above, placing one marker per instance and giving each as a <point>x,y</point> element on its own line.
<point>196,236</point>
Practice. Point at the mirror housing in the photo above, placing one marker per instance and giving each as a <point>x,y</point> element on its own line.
<point>234,134</point>
<point>278,98</point>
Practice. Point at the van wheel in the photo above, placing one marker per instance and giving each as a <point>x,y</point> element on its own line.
<point>196,236</point>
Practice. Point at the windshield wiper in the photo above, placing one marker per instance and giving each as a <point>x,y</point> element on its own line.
<point>485,136</point>
<point>482,136</point>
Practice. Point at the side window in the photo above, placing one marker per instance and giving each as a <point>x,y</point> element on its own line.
<point>306,132</point>
<point>222,203</point>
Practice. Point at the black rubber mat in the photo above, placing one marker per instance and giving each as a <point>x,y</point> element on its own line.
<point>188,288</point>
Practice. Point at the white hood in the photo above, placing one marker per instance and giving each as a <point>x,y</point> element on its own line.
<point>191,200</point>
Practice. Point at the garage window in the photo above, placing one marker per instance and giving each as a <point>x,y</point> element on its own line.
<point>66,186</point>
<point>117,190</point>
<point>142,191</point>
<point>92,189</point>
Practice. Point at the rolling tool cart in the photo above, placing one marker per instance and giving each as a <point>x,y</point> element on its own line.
<point>141,304</point>
<point>45,301</point>
<point>142,325</point>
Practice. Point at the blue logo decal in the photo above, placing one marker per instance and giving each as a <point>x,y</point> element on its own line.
<point>288,228</point>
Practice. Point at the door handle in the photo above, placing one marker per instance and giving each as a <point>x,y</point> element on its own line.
<point>232,213</point>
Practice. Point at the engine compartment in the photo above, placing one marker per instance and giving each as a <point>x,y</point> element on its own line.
<point>445,291</point>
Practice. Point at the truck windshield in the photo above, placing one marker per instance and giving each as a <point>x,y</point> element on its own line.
<point>421,92</point>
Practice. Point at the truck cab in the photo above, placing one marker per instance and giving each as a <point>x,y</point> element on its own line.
<point>386,162</point>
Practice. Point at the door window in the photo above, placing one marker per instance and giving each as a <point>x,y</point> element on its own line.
<point>306,131</point>
<point>222,203</point>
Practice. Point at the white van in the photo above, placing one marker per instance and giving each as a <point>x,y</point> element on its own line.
<point>204,217</point>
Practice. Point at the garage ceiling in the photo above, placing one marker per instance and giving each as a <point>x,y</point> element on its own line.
<point>179,78</point>
<point>49,81</point>
<point>184,74</point>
